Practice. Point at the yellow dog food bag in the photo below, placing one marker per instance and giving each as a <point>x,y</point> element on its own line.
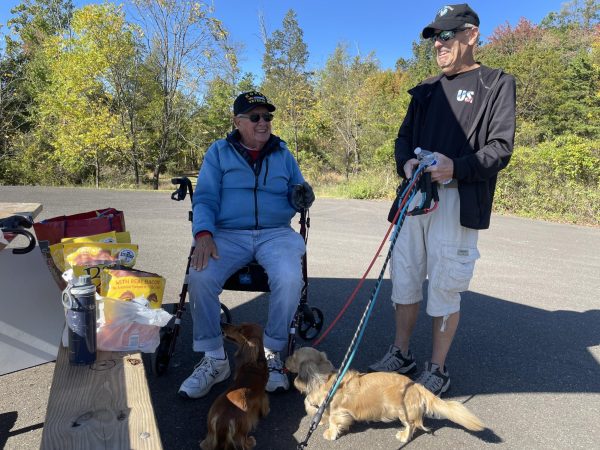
<point>89,258</point>
<point>127,284</point>
<point>56,250</point>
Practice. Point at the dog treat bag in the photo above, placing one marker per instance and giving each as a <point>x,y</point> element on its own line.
<point>56,250</point>
<point>90,258</point>
<point>127,284</point>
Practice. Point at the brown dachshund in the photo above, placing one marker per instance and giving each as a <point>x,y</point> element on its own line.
<point>236,412</point>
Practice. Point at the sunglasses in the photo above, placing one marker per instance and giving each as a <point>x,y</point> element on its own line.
<point>267,117</point>
<point>446,35</point>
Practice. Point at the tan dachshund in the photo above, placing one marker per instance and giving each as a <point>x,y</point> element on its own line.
<point>375,397</point>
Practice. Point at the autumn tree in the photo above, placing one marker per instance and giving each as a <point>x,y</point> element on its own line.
<point>23,76</point>
<point>287,80</point>
<point>339,89</point>
<point>181,38</point>
<point>75,111</point>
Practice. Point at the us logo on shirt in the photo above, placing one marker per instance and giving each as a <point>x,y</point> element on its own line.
<point>465,96</point>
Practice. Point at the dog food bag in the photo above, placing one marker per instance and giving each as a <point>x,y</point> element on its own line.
<point>56,250</point>
<point>91,257</point>
<point>123,237</point>
<point>110,237</point>
<point>127,284</point>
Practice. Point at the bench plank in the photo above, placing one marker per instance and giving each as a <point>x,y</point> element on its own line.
<point>10,209</point>
<point>105,405</point>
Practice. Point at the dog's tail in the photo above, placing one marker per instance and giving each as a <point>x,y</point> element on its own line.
<point>449,409</point>
<point>223,436</point>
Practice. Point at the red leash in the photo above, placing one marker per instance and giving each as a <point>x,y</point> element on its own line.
<point>362,280</point>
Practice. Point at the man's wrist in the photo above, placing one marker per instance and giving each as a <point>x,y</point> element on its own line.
<point>202,233</point>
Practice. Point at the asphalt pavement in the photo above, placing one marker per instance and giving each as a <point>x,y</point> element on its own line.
<point>526,357</point>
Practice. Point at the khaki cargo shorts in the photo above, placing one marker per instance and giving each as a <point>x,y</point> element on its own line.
<point>436,247</point>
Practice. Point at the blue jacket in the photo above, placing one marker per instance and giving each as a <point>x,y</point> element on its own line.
<point>234,192</point>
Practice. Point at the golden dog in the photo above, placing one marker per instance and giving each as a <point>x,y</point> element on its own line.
<point>237,411</point>
<point>377,397</point>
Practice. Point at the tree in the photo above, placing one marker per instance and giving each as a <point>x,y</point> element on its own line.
<point>181,37</point>
<point>22,75</point>
<point>340,86</point>
<point>287,81</point>
<point>75,111</point>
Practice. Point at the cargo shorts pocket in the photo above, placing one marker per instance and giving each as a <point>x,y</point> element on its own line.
<point>456,266</point>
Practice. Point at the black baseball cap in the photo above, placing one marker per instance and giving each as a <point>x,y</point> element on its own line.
<point>451,17</point>
<point>249,100</point>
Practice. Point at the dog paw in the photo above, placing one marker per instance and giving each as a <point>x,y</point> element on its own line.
<point>250,442</point>
<point>403,435</point>
<point>330,435</point>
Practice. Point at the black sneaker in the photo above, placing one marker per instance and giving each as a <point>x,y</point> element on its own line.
<point>434,378</point>
<point>394,361</point>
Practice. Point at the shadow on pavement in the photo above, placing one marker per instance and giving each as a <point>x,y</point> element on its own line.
<point>500,347</point>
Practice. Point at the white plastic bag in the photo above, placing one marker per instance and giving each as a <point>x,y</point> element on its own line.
<point>129,326</point>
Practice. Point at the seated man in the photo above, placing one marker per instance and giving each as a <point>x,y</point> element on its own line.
<point>249,188</point>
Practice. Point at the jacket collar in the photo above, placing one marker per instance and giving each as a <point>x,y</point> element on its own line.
<point>272,144</point>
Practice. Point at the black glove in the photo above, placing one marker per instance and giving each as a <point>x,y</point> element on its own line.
<point>302,196</point>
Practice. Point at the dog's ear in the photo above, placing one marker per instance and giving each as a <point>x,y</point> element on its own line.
<point>305,374</point>
<point>324,366</point>
<point>252,347</point>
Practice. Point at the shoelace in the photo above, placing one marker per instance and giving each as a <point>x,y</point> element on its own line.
<point>274,363</point>
<point>204,367</point>
<point>390,360</point>
<point>430,380</point>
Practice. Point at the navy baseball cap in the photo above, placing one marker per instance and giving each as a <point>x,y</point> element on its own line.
<point>249,100</point>
<point>451,17</point>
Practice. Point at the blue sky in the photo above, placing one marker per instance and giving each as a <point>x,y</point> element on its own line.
<point>387,27</point>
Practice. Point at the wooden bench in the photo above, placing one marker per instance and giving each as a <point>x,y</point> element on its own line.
<point>29,209</point>
<point>105,405</point>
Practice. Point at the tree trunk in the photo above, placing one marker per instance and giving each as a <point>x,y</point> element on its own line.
<point>155,177</point>
<point>97,170</point>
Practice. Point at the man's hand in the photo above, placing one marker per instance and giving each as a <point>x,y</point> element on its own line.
<point>302,196</point>
<point>443,170</point>
<point>409,167</point>
<point>204,249</point>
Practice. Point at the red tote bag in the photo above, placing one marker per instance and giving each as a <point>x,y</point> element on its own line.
<point>77,225</point>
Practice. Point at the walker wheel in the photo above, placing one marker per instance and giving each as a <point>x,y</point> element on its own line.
<point>310,324</point>
<point>225,314</point>
<point>160,358</point>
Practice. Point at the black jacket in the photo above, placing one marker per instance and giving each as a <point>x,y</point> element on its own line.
<point>488,146</point>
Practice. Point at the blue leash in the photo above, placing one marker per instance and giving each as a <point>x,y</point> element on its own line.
<point>410,190</point>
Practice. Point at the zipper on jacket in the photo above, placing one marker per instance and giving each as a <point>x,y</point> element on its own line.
<point>256,201</point>
<point>266,171</point>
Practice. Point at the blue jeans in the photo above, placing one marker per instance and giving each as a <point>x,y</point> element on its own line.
<point>279,251</point>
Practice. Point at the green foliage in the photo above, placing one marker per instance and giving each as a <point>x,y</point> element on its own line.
<point>558,179</point>
<point>368,185</point>
<point>89,96</point>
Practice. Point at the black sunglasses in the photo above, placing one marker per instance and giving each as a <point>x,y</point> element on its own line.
<point>255,117</point>
<point>446,35</point>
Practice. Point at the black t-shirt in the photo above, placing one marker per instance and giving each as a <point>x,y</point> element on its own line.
<point>454,103</point>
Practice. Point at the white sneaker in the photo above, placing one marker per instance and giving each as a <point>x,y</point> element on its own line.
<point>278,379</point>
<point>208,372</point>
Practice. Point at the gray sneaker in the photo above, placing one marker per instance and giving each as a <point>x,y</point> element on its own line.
<point>394,361</point>
<point>434,378</point>
<point>208,372</point>
<point>278,379</point>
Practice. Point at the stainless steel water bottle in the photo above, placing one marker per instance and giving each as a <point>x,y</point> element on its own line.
<point>79,298</point>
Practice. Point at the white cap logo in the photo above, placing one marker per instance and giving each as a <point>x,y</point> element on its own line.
<point>444,10</point>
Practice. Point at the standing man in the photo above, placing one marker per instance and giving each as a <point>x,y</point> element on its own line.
<point>466,116</point>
